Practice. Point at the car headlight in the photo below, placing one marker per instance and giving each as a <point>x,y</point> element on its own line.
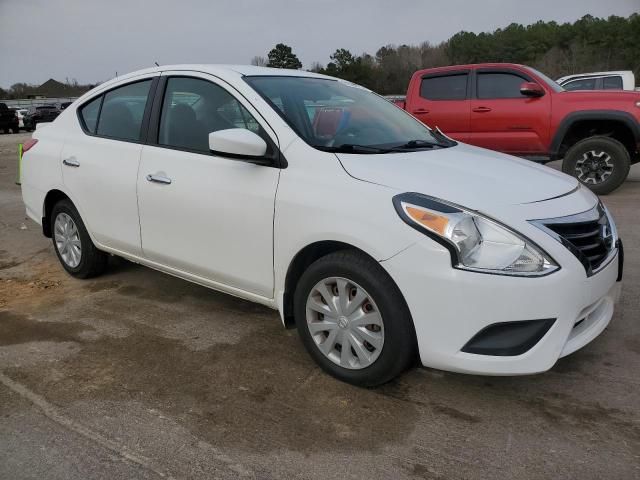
<point>476,242</point>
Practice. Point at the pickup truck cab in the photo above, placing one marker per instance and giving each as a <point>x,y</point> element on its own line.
<point>621,80</point>
<point>516,109</point>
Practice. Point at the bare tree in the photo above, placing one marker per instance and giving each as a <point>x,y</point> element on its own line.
<point>259,61</point>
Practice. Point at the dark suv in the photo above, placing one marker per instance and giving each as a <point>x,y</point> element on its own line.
<point>43,113</point>
<point>8,119</point>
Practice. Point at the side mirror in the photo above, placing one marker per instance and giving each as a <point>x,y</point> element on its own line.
<point>240,143</point>
<point>531,89</point>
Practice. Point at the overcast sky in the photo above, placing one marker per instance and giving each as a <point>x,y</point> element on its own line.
<point>92,39</point>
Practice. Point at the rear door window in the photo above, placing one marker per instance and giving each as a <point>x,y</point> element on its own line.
<point>612,83</point>
<point>445,87</point>
<point>123,110</point>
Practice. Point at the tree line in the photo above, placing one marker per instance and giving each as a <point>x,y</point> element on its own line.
<point>587,45</point>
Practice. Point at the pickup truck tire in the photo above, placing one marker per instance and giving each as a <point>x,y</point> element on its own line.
<point>599,163</point>
<point>358,288</point>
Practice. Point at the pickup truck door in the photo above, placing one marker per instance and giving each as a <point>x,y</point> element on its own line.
<point>442,100</point>
<point>503,119</point>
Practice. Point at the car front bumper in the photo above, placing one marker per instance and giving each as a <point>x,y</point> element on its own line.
<point>450,306</point>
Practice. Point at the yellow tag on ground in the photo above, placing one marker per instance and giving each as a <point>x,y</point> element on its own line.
<point>19,175</point>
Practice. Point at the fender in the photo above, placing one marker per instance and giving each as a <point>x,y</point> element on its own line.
<point>616,115</point>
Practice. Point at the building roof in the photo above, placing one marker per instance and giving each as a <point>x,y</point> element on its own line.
<point>52,88</point>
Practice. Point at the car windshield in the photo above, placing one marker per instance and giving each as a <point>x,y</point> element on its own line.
<point>552,83</point>
<point>338,116</point>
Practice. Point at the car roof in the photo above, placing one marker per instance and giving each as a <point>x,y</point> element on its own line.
<point>221,70</point>
<point>225,72</point>
<point>470,66</point>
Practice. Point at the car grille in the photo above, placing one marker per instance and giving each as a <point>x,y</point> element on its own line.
<point>588,235</point>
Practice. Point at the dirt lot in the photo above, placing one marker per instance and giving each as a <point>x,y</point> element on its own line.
<point>140,375</point>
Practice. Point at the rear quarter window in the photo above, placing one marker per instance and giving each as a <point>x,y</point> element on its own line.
<point>89,114</point>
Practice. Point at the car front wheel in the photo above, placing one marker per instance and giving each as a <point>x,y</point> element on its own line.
<point>600,163</point>
<point>353,320</point>
<point>74,248</point>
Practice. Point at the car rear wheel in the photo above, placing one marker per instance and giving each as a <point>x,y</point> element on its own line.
<point>600,163</point>
<point>74,248</point>
<point>353,320</point>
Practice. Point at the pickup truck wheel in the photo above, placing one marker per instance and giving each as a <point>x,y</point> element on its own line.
<point>353,320</point>
<point>74,248</point>
<point>600,163</point>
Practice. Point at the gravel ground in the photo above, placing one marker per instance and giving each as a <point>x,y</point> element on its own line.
<point>137,374</point>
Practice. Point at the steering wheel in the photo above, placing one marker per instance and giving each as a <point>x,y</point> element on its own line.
<point>342,136</point>
<point>364,134</point>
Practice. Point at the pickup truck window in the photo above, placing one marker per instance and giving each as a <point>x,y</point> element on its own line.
<point>612,83</point>
<point>338,116</point>
<point>550,83</point>
<point>499,85</point>
<point>445,87</point>
<point>581,84</point>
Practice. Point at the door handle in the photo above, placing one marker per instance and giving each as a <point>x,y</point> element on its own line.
<point>421,110</point>
<point>156,178</point>
<point>71,162</point>
<point>482,109</point>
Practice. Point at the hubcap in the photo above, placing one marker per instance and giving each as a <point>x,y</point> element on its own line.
<point>594,167</point>
<point>345,323</point>
<point>67,240</point>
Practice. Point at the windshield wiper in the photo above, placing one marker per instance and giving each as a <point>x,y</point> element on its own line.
<point>448,142</point>
<point>416,144</point>
<point>353,148</point>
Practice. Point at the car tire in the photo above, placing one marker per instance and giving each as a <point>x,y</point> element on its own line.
<point>74,248</point>
<point>359,276</point>
<point>599,163</point>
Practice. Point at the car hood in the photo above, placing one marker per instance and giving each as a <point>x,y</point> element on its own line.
<point>470,176</point>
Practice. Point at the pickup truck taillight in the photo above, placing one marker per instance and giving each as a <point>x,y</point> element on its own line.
<point>26,146</point>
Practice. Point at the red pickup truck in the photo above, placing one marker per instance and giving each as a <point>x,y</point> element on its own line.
<point>517,110</point>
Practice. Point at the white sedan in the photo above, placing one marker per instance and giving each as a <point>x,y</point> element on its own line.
<point>379,239</point>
